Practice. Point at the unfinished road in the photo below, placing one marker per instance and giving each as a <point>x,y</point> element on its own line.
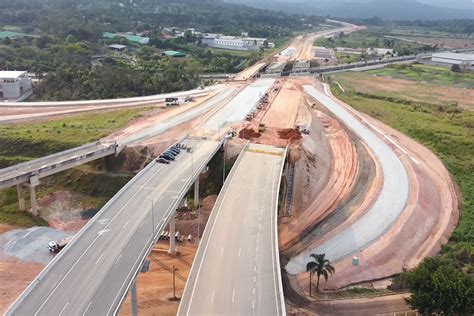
<point>236,270</point>
<point>92,275</point>
<point>386,209</point>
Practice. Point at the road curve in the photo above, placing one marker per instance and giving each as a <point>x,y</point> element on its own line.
<point>236,270</point>
<point>386,209</point>
<point>92,275</point>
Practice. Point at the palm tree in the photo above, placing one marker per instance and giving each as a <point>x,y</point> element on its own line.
<point>320,266</point>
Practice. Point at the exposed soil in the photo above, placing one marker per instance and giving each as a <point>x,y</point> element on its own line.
<point>411,90</point>
<point>155,287</point>
<point>445,42</point>
<point>15,276</point>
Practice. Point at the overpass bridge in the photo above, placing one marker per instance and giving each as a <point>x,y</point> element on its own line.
<point>236,270</point>
<point>30,172</point>
<point>93,274</point>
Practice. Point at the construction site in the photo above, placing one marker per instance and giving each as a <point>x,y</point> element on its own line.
<point>375,201</point>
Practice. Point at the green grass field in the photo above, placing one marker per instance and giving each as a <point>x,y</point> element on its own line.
<point>449,135</point>
<point>426,74</point>
<point>22,142</point>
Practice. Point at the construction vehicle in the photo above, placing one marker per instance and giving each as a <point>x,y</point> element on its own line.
<point>171,101</point>
<point>56,247</point>
<point>261,128</point>
<point>250,115</point>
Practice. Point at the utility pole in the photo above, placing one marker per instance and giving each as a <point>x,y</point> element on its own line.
<point>174,282</point>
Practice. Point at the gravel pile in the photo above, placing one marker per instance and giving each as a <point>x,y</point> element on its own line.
<point>29,245</point>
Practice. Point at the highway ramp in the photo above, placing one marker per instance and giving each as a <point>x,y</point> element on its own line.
<point>386,209</point>
<point>236,270</point>
<point>238,108</point>
<point>92,275</point>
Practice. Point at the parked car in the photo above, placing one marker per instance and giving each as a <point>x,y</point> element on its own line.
<point>162,160</point>
<point>167,157</point>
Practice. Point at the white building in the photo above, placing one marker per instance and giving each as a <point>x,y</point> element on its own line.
<point>235,42</point>
<point>14,84</point>
<point>453,58</point>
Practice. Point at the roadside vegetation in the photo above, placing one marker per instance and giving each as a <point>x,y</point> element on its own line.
<point>373,38</point>
<point>23,142</point>
<point>65,48</point>
<point>448,132</point>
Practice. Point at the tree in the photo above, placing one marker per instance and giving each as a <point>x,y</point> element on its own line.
<point>320,266</point>
<point>455,68</point>
<point>438,287</point>
<point>71,39</point>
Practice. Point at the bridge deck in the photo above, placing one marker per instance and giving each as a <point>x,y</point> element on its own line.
<point>236,269</point>
<point>93,273</point>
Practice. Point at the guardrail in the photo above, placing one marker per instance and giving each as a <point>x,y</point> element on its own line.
<point>96,151</point>
<point>157,232</point>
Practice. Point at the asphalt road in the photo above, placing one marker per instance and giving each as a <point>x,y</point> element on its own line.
<point>236,269</point>
<point>387,207</point>
<point>92,275</point>
<point>156,97</point>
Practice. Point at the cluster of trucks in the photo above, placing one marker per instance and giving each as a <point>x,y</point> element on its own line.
<point>172,101</point>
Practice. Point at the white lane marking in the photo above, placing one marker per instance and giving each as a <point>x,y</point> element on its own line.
<point>182,191</point>
<point>62,310</point>
<point>88,305</point>
<point>240,249</point>
<point>256,250</point>
<point>212,296</point>
<point>255,268</point>
<point>103,231</point>
<point>233,295</point>
<point>126,223</point>
<point>210,237</point>
<point>97,261</point>
<point>253,304</point>
<point>254,279</point>
<point>118,258</point>
<point>222,251</point>
<point>253,291</point>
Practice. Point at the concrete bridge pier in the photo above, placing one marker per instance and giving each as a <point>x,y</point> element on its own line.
<point>34,182</point>
<point>172,224</point>
<point>21,198</point>
<point>196,193</point>
<point>134,298</point>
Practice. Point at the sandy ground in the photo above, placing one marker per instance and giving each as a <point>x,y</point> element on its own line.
<point>429,217</point>
<point>412,90</point>
<point>284,109</point>
<point>15,276</point>
<point>155,287</point>
<point>456,43</point>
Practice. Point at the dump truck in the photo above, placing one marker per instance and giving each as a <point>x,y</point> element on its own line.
<point>56,247</point>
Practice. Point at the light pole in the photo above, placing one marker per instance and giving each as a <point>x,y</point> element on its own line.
<point>174,282</point>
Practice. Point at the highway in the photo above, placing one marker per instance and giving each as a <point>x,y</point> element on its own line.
<point>48,165</point>
<point>238,108</point>
<point>156,98</point>
<point>57,162</point>
<point>236,270</point>
<point>92,275</point>
<point>386,209</point>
